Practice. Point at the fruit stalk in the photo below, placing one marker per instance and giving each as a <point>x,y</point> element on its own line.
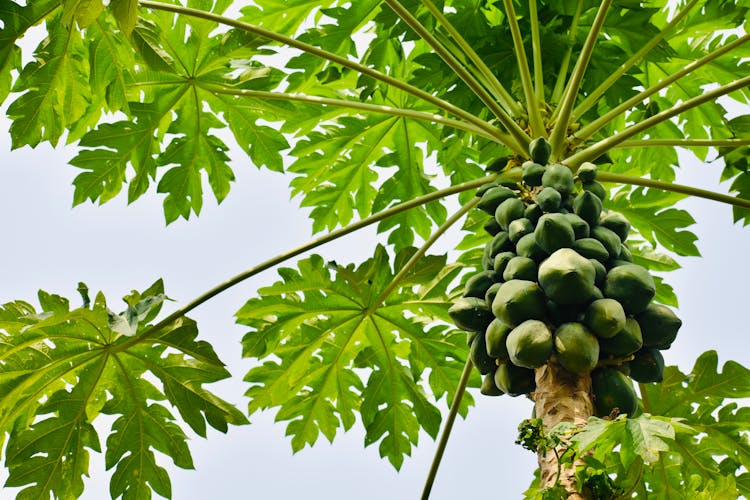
<point>561,396</point>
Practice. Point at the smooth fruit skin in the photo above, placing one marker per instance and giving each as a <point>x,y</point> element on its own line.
<point>577,348</point>
<point>631,285</point>
<point>567,278</point>
<point>530,344</point>
<point>659,326</point>
<point>612,389</point>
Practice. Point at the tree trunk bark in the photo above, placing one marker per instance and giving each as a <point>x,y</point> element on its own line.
<point>561,396</point>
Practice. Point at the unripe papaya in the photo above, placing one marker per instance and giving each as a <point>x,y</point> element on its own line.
<point>478,353</point>
<point>605,317</point>
<point>612,390</point>
<point>591,248</point>
<point>477,284</point>
<point>493,197</point>
<point>659,325</point>
<point>601,272</point>
<point>566,277</point>
<point>508,211</point>
<point>519,228</point>
<point>530,344</point>
<point>514,380</point>
<point>489,296</point>
<point>533,212</point>
<point>528,247</point>
<point>492,227</point>
<point>577,348</point>
<point>588,207</point>
<point>501,260</point>
<point>549,200</point>
<point>560,177</point>
<point>609,239</point>
<point>500,243</point>
<point>580,226</point>
<point>625,253</point>
<point>484,188</point>
<point>587,172</point>
<point>471,314</point>
<point>489,388</point>
<point>553,232</point>
<point>647,366</point>
<point>626,342</point>
<point>520,268</point>
<point>532,173</point>
<point>539,150</point>
<point>631,285</point>
<point>596,188</point>
<point>498,165</point>
<point>495,339</point>
<point>519,300</point>
<point>617,223</point>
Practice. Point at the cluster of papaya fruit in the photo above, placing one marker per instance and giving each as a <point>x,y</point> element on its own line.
<point>559,285</point>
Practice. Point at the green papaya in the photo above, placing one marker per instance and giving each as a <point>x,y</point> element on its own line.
<point>530,344</point>
<point>596,188</point>
<point>605,317</point>
<point>500,261</point>
<point>577,348</point>
<point>492,227</point>
<point>489,388</point>
<point>498,165</point>
<point>477,284</point>
<point>549,199</point>
<point>532,173</point>
<point>519,228</point>
<point>613,391</point>
<point>519,300</point>
<point>471,314</point>
<point>489,296</point>
<point>553,232</point>
<point>580,226</point>
<point>631,285</point>
<point>539,150</point>
<point>493,197</point>
<point>625,253</point>
<point>500,243</point>
<point>470,337</point>
<point>617,223</point>
<point>601,272</point>
<point>559,314</point>
<point>567,278</point>
<point>560,177</point>
<point>659,325</point>
<point>478,353</point>
<point>528,247</point>
<point>591,248</point>
<point>647,366</point>
<point>609,239</point>
<point>520,268</point>
<point>514,380</point>
<point>588,207</point>
<point>626,342</point>
<point>587,172</point>
<point>495,338</point>
<point>532,212</point>
<point>487,260</point>
<point>508,211</point>
<point>484,188</point>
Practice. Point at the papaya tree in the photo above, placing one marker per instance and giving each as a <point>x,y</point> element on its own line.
<point>550,133</point>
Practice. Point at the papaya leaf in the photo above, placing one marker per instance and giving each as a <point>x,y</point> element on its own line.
<point>61,368</point>
<point>328,351</point>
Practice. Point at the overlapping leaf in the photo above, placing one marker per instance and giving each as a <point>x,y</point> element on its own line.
<point>60,368</point>
<point>330,350</point>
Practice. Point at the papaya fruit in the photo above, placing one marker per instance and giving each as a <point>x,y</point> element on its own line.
<point>492,227</point>
<point>489,296</point>
<point>624,343</point>
<point>617,223</point>
<point>519,228</point>
<point>591,248</point>
<point>533,212</point>
<point>508,211</point>
<point>549,200</point>
<point>520,268</point>
<point>519,300</point>
<point>484,188</point>
<point>514,380</point>
<point>560,177</point>
<point>528,247</point>
<point>647,366</point>
<point>576,347</point>
<point>605,317</point>
<point>631,285</point>
<point>580,226</point>
<point>609,239</point>
<point>625,253</point>
<point>539,150</point>
<point>477,284</point>
<point>471,314</point>
<point>487,260</point>
<point>601,272</point>
<point>530,344</point>
<point>478,353</point>
<point>493,197</point>
<point>587,172</point>
<point>488,387</point>
<point>553,231</point>
<point>498,165</point>
<point>567,278</point>
<point>470,337</point>
<point>500,243</point>
<point>500,261</point>
<point>612,390</point>
<point>659,326</point>
<point>588,207</point>
<point>559,314</point>
<point>531,173</point>
<point>495,338</point>
<point>596,188</point>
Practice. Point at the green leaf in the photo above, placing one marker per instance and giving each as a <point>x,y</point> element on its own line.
<point>60,369</point>
<point>329,351</point>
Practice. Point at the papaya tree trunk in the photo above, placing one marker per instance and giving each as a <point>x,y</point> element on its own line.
<point>561,396</point>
